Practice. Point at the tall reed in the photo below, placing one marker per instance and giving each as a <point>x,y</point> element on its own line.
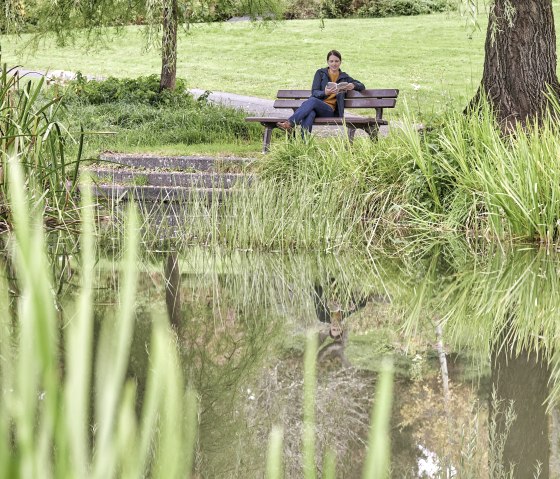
<point>32,135</point>
<point>46,425</point>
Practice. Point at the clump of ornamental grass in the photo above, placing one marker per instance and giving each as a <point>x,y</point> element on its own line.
<point>264,215</point>
<point>464,177</point>
<point>33,136</point>
<point>470,177</point>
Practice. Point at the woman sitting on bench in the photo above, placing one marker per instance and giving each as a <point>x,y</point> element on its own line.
<point>327,99</point>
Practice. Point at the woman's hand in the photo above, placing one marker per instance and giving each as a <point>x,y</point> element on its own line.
<point>350,86</point>
<point>329,91</point>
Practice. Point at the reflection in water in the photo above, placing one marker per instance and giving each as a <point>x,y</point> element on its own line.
<point>505,308</point>
<point>241,316</point>
<point>521,379</point>
<point>172,277</point>
<point>240,321</point>
<point>334,314</point>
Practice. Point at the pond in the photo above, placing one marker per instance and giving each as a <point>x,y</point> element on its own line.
<point>471,335</point>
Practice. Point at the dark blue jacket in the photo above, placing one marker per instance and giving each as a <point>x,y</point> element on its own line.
<point>320,81</point>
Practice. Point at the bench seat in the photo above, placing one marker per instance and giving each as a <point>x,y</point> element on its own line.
<point>370,99</point>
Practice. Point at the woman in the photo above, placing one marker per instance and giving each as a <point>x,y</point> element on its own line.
<point>324,101</point>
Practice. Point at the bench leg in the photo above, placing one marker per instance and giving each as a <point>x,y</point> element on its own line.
<point>351,133</point>
<point>373,132</point>
<point>266,139</point>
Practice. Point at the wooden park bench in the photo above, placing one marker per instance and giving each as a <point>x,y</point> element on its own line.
<point>374,99</point>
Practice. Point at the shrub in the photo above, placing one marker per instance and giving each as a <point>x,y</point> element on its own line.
<point>298,9</point>
<point>364,8</point>
<point>337,8</point>
<point>390,8</point>
<point>141,90</point>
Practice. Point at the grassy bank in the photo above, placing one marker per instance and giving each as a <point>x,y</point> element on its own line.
<point>436,52</point>
<point>463,178</point>
<point>132,115</point>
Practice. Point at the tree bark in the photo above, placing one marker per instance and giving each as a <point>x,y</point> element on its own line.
<point>169,46</point>
<point>520,61</point>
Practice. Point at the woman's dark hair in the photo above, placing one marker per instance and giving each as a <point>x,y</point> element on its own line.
<point>336,53</point>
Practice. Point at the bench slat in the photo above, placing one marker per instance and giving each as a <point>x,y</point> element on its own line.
<point>349,121</point>
<point>386,93</point>
<point>357,121</point>
<point>370,103</point>
<point>348,103</point>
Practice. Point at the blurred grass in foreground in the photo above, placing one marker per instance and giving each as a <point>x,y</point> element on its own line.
<point>47,428</point>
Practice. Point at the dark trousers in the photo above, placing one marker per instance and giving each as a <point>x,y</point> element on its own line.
<point>309,109</point>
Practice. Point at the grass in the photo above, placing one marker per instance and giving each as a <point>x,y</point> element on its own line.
<point>35,140</point>
<point>461,178</point>
<point>186,128</point>
<point>438,53</point>
<point>58,424</point>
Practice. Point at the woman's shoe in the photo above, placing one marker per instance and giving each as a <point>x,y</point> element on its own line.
<point>285,125</point>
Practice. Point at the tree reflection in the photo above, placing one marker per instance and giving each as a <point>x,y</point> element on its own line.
<point>521,379</point>
<point>237,318</point>
<point>502,307</point>
<point>172,277</point>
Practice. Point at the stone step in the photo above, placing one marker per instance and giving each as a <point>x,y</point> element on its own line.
<point>118,193</point>
<point>133,177</point>
<point>193,163</point>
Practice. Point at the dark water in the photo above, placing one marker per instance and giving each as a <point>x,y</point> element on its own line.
<point>472,339</point>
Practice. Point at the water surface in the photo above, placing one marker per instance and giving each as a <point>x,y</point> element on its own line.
<point>472,338</point>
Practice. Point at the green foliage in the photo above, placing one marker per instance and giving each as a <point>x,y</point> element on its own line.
<point>337,8</point>
<point>393,8</point>
<point>365,8</point>
<point>13,16</point>
<point>141,90</point>
<point>54,420</point>
<point>33,136</point>
<point>63,19</point>
<point>133,114</point>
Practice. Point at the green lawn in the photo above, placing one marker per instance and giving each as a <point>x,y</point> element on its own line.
<point>432,51</point>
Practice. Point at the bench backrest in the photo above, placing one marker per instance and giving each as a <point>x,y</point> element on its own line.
<point>377,99</point>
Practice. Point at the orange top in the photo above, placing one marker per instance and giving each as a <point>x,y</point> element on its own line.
<point>331,99</point>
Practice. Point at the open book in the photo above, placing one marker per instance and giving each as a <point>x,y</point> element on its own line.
<point>342,86</point>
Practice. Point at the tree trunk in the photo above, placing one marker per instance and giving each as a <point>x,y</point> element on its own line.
<point>520,60</point>
<point>169,46</point>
